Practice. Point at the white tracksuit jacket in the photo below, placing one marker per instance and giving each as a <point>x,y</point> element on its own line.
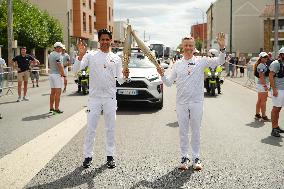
<point>189,77</point>
<point>104,68</point>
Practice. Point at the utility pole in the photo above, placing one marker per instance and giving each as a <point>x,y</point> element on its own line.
<point>10,31</point>
<point>144,36</point>
<point>276,29</point>
<point>68,31</point>
<point>231,26</point>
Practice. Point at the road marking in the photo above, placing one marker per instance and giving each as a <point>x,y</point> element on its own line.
<point>19,167</point>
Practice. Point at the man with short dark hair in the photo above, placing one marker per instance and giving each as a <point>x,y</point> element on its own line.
<point>22,65</point>
<point>105,69</point>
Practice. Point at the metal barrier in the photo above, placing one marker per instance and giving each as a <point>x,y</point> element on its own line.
<point>250,75</point>
<point>7,80</point>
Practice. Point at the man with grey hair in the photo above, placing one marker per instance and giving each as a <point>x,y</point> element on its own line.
<point>188,73</point>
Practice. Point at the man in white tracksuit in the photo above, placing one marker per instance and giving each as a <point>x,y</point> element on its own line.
<point>189,76</point>
<point>104,66</point>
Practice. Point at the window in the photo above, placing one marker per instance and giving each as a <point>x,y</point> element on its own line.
<point>109,28</point>
<point>84,22</point>
<point>280,24</point>
<point>84,2</point>
<point>90,24</point>
<point>90,4</point>
<point>94,25</point>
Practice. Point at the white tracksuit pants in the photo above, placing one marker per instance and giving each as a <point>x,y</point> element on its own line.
<point>95,106</point>
<point>190,116</point>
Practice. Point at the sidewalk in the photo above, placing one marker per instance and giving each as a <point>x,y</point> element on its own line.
<point>244,81</point>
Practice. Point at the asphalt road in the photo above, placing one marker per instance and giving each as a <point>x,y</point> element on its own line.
<point>236,150</point>
<point>25,120</point>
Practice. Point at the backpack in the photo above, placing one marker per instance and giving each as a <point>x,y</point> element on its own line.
<point>256,74</point>
<point>280,74</point>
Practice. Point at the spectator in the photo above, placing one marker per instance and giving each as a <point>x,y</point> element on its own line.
<point>55,77</point>
<point>22,64</point>
<point>66,63</point>
<point>276,77</point>
<point>261,72</point>
<point>2,65</point>
<point>242,63</point>
<point>35,71</point>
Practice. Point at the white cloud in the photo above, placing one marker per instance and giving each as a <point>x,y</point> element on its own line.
<point>164,20</point>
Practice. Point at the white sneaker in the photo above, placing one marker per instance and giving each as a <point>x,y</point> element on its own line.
<point>19,99</point>
<point>25,98</point>
<point>184,163</point>
<point>197,164</point>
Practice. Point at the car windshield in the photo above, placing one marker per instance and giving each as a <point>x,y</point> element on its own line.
<point>140,61</point>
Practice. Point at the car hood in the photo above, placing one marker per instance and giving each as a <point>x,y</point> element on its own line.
<point>143,73</point>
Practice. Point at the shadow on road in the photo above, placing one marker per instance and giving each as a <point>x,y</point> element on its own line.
<point>11,102</point>
<point>135,109</point>
<point>78,177</point>
<point>47,94</point>
<point>275,141</point>
<point>256,124</point>
<point>37,117</point>
<point>174,179</point>
<point>174,124</point>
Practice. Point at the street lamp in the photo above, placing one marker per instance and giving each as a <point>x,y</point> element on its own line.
<point>203,37</point>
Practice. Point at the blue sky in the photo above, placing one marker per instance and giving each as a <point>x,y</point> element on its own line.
<point>163,20</point>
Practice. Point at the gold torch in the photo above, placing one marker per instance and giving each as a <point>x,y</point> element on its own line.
<point>127,50</point>
<point>145,50</point>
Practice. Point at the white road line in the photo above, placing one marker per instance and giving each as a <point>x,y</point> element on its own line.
<point>19,167</point>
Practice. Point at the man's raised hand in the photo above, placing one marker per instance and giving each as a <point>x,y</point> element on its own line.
<point>82,48</point>
<point>221,40</point>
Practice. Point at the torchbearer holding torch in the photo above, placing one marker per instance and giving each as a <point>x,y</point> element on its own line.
<point>188,73</point>
<point>105,68</point>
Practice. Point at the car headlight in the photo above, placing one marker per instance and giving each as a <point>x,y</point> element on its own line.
<point>209,73</point>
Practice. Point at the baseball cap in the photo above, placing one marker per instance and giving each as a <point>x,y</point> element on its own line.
<point>281,51</point>
<point>262,54</point>
<point>58,44</point>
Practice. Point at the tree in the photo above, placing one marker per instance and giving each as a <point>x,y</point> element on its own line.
<point>32,27</point>
<point>198,44</point>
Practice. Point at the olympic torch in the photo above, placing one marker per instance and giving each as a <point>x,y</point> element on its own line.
<point>127,49</point>
<point>145,50</point>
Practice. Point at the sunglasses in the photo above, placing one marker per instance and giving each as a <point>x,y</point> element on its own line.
<point>264,57</point>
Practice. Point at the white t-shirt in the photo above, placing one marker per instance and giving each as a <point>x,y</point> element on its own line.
<point>104,69</point>
<point>2,64</point>
<point>189,77</point>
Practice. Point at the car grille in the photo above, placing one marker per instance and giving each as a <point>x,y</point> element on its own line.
<point>133,84</point>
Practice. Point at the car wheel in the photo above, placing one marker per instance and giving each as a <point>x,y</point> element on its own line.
<point>160,104</point>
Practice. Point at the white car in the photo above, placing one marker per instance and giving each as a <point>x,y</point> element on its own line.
<point>145,84</point>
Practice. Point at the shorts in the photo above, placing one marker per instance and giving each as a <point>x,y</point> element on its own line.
<point>35,75</point>
<point>23,76</point>
<point>66,71</point>
<point>279,100</point>
<point>56,81</point>
<point>260,88</point>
